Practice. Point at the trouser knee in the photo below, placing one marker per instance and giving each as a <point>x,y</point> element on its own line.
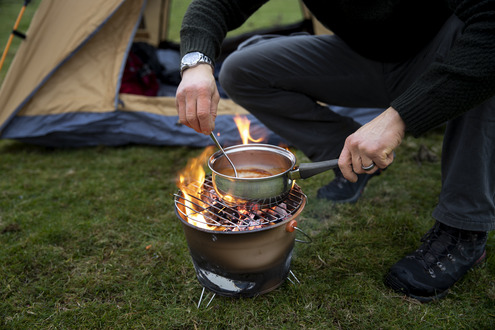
<point>230,76</point>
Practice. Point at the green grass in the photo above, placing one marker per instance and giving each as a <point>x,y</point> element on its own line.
<point>89,239</point>
<point>75,225</point>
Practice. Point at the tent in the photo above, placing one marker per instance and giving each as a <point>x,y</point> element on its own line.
<point>63,87</point>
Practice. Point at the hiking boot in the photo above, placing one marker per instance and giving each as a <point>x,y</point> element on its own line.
<point>341,190</point>
<point>444,257</point>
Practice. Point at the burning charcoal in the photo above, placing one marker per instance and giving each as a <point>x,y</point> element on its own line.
<point>223,216</point>
<point>209,196</point>
<point>255,223</point>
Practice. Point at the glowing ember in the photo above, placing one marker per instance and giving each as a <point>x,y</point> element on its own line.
<point>243,124</point>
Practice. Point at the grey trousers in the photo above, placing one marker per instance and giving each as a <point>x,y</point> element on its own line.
<point>284,80</point>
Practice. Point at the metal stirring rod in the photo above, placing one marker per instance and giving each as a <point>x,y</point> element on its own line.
<point>221,149</point>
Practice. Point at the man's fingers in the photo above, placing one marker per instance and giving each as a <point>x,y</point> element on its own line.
<point>197,99</point>
<point>191,117</point>
<point>345,165</point>
<point>213,110</point>
<point>205,108</point>
<point>180,104</point>
<point>192,112</point>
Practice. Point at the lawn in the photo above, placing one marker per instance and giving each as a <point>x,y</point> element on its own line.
<point>89,239</point>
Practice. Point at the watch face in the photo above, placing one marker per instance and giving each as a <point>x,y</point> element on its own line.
<point>191,58</point>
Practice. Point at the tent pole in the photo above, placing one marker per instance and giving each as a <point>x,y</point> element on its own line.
<point>11,37</point>
<point>164,19</point>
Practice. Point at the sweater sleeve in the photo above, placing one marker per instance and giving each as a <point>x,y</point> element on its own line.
<point>206,23</point>
<point>463,80</point>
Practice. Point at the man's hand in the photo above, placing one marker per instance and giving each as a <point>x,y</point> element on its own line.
<point>197,99</point>
<point>374,143</point>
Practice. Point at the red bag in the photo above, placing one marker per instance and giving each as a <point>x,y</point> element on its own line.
<point>138,78</point>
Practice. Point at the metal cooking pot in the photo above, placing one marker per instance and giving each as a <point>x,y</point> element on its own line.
<point>266,173</point>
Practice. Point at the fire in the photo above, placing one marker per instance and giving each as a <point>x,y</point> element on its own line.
<point>190,180</point>
<point>243,124</point>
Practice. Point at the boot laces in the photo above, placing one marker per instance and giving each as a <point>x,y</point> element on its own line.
<point>437,248</point>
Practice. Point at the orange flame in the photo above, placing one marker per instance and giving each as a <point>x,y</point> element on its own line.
<point>190,180</point>
<point>243,124</point>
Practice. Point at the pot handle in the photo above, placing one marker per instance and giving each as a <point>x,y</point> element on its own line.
<point>302,232</point>
<point>291,226</point>
<point>306,170</point>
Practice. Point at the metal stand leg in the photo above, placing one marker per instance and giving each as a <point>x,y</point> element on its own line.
<point>201,298</point>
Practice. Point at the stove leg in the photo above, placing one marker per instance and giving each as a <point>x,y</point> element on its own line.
<point>293,275</point>
<point>201,298</point>
<point>209,302</point>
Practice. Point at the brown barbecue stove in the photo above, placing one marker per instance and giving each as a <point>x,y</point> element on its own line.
<point>239,250</point>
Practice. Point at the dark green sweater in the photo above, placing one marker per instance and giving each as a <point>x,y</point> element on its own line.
<point>385,31</point>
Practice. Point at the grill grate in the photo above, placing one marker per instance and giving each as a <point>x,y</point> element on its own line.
<point>217,214</point>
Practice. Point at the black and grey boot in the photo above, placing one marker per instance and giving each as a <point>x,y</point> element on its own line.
<point>444,257</point>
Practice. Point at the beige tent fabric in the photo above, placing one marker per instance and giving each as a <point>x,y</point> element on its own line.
<point>153,28</point>
<point>87,80</point>
<point>58,28</point>
<point>165,106</point>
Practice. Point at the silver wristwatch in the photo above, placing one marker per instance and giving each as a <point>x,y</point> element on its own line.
<point>192,59</point>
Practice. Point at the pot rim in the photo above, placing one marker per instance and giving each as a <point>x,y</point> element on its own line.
<point>257,147</point>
